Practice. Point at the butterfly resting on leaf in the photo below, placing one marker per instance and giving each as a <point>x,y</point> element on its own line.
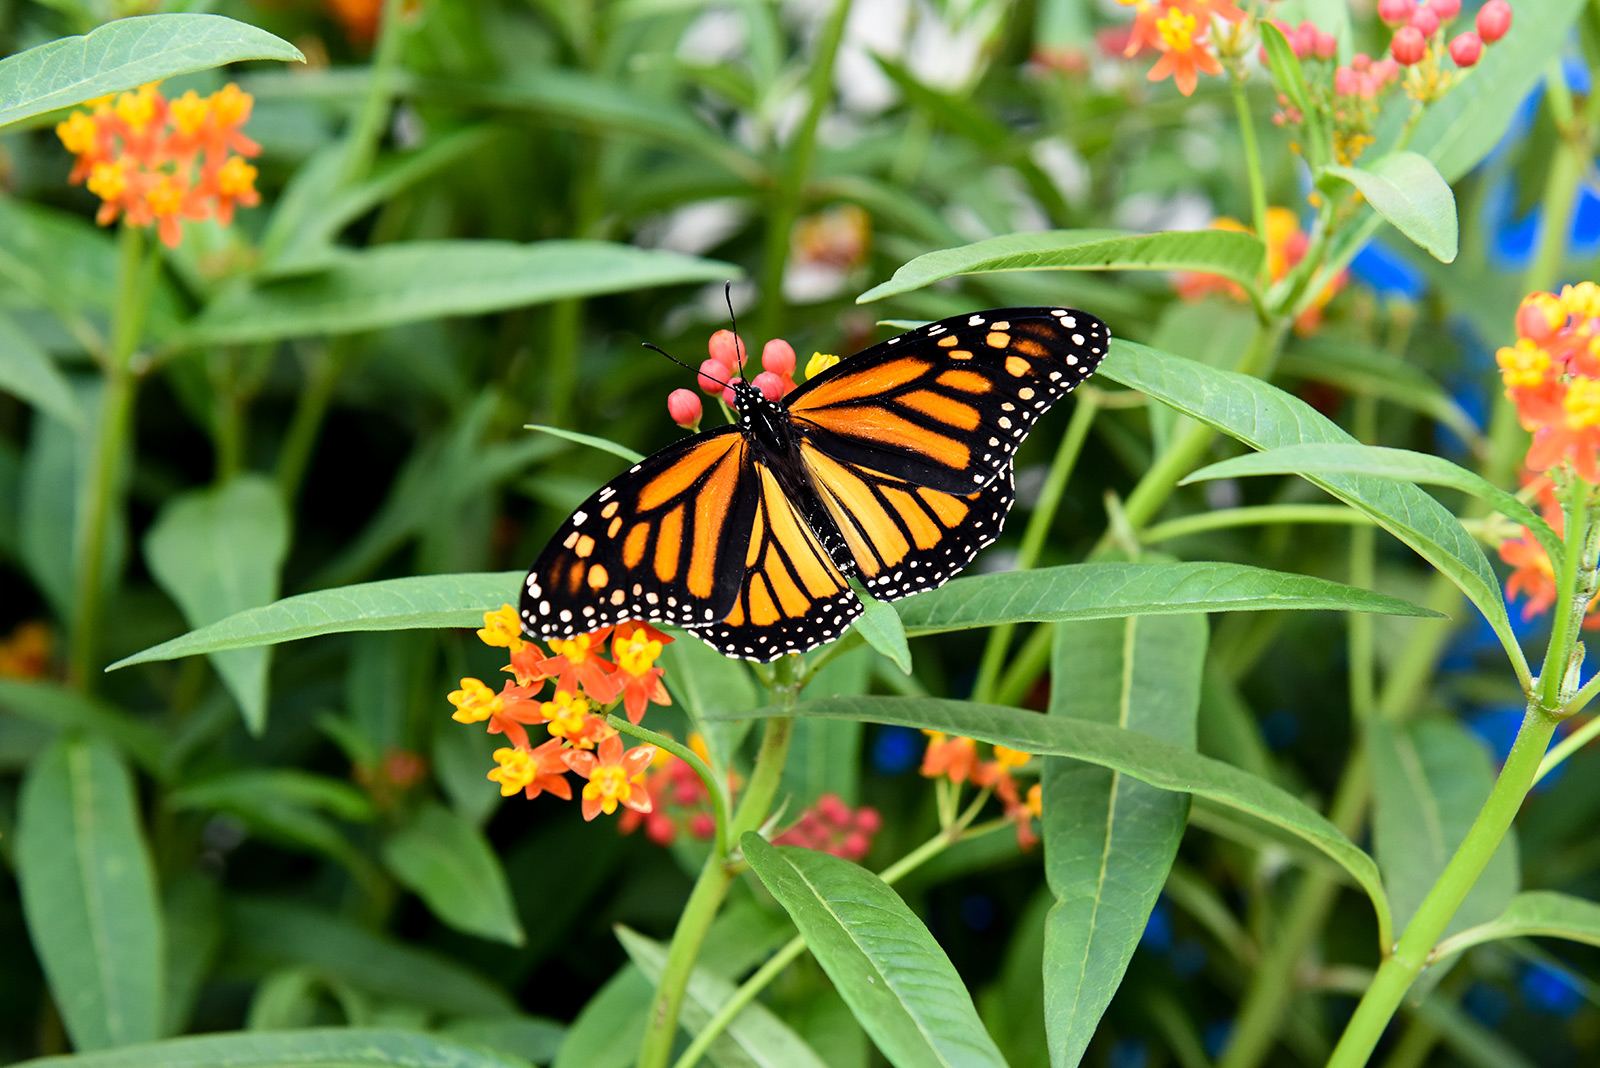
<point>893,466</point>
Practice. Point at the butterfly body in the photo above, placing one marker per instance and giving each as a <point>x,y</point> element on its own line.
<point>893,467</point>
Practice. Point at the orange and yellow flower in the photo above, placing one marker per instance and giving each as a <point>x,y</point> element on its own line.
<point>953,758</point>
<point>1286,246</point>
<point>615,777</point>
<point>1552,375</point>
<point>635,647</point>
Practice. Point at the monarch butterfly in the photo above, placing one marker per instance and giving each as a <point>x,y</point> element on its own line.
<point>893,466</point>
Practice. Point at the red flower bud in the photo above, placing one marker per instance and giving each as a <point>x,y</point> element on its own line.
<point>727,394</point>
<point>1408,46</point>
<point>778,357</point>
<point>703,825</point>
<point>854,846</point>
<point>1466,49</point>
<point>1346,82</point>
<point>770,385</point>
<point>1425,19</point>
<point>1445,9</point>
<point>728,350</point>
<point>830,808</point>
<point>867,820</point>
<point>684,407</point>
<point>1494,19</point>
<point>1303,40</point>
<point>713,376</point>
<point>1327,45</point>
<point>1396,12</point>
<point>1360,61</point>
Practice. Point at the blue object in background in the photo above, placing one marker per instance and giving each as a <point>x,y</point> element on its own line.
<point>1279,729</point>
<point>896,750</point>
<point>1157,936</point>
<point>1486,1004</point>
<point>1215,1037</point>
<point>1188,958</point>
<point>1129,1053</point>
<point>1389,273</point>
<point>978,912</point>
<point>1550,989</point>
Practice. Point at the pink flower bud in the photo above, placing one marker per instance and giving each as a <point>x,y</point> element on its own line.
<point>728,394</point>
<point>728,350</point>
<point>777,356</point>
<point>1360,61</point>
<point>770,385</point>
<point>1445,9</point>
<point>1346,82</point>
<point>1408,46</point>
<point>1396,12</point>
<point>1494,19</point>
<point>1327,45</point>
<point>1466,49</point>
<point>661,830</point>
<point>684,407</point>
<point>1425,19</point>
<point>1304,40</point>
<point>854,846</point>
<point>703,825</point>
<point>867,820</point>
<point>831,809</point>
<point>713,376</point>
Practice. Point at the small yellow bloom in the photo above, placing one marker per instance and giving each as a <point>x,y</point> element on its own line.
<point>609,784</point>
<point>819,362</point>
<point>137,108</point>
<point>501,628</point>
<point>1011,758</point>
<point>236,178</point>
<point>474,702</point>
<point>565,715</point>
<point>231,105</point>
<point>79,133</point>
<point>576,650</point>
<point>1581,300</point>
<point>166,196</point>
<point>636,654</point>
<point>1524,364</point>
<point>108,181</point>
<point>698,746</point>
<point>1036,799</point>
<point>189,111</point>
<point>517,769</point>
<point>1177,29</point>
<point>1583,403</point>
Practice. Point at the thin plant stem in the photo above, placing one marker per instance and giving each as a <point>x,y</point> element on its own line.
<point>1415,1045</point>
<point>101,500</point>
<point>1033,656</point>
<point>1560,198</point>
<point>366,128</point>
<point>1571,743</point>
<point>1033,536</point>
<point>1252,515</point>
<point>714,787</point>
<point>1363,575</point>
<point>311,408</point>
<point>1252,154</point>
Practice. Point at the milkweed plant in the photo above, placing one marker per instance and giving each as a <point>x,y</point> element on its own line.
<point>1261,736</point>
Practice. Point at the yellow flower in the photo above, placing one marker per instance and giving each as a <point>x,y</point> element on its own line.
<point>236,178</point>
<point>1582,402</point>
<point>517,769</point>
<point>108,181</point>
<point>1177,29</point>
<point>1524,364</point>
<point>137,108</point>
<point>189,111</point>
<point>231,105</point>
<point>501,628</point>
<point>78,133</point>
<point>565,715</point>
<point>166,196</point>
<point>636,654</point>
<point>1011,758</point>
<point>1581,300</point>
<point>474,702</point>
<point>819,363</point>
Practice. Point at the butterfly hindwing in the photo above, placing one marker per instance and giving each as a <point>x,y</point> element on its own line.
<point>946,405</point>
<point>664,541</point>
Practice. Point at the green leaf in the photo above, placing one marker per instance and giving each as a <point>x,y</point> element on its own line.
<point>1233,255</point>
<point>880,626</point>
<point>217,552</point>
<point>603,444</point>
<point>447,862</point>
<point>62,709</point>
<point>285,805</point>
<point>1408,190</point>
<point>125,54</point>
<point>712,689</point>
<point>1287,74</point>
<point>608,1029</point>
<point>192,911</point>
<point>425,601</point>
<point>1532,914</point>
<point>1374,373</point>
<point>341,1047</point>
<point>756,1037</point>
<point>28,372</point>
<point>270,933</point>
<point>1109,839</point>
<point>897,981</point>
<point>1146,759</point>
<point>89,894</point>
<point>390,285</point>
<point>1264,417</point>
<point>533,1038</point>
<point>1401,465</point>
<point>1108,590</point>
<point>1429,780</point>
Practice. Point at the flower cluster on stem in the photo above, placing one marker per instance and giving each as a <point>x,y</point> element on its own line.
<point>955,760</point>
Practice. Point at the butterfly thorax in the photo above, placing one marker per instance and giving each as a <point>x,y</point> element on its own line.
<point>770,430</point>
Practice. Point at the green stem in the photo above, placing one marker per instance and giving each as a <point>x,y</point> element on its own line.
<point>1252,154</point>
<point>310,409</point>
<point>1578,738</point>
<point>1416,945</point>
<point>1363,575</point>
<point>715,788</point>
<point>1033,537</point>
<point>366,130</point>
<point>1252,515</point>
<point>1415,1045</point>
<point>100,503</point>
<point>1560,200</point>
<point>794,167</point>
<point>1571,604</point>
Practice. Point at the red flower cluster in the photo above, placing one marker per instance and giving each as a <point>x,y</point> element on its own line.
<point>678,799</point>
<point>584,680</point>
<point>157,161</point>
<point>831,826</point>
<point>725,367</point>
<point>1419,40</point>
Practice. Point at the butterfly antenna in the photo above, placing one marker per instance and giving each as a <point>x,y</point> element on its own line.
<point>685,366</point>
<point>738,346</point>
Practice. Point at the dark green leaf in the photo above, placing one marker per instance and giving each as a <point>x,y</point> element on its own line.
<point>125,54</point>
<point>897,981</point>
<point>1407,190</point>
<point>89,894</point>
<point>447,862</point>
<point>1233,255</point>
<point>61,709</point>
<point>880,626</point>
<point>28,372</point>
<point>344,1047</point>
<point>533,1038</point>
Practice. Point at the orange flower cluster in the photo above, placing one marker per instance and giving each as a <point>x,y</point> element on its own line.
<point>1533,576</point>
<point>580,740</point>
<point>1286,247</point>
<point>26,652</point>
<point>156,161</point>
<point>1552,375</point>
<point>956,758</point>
<point>1179,30</point>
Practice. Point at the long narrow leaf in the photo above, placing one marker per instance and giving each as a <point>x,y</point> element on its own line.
<point>333,1047</point>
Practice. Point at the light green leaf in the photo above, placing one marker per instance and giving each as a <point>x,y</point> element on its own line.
<point>712,689</point>
<point>125,54</point>
<point>1108,590</point>
<point>1264,417</point>
<point>268,934</point>
<point>192,911</point>
<point>1534,914</point>
<point>1287,74</point>
<point>1147,759</point>
<point>425,601</point>
<point>390,285</point>
<point>1429,780</point>
<point>1233,255</point>
<point>330,1047</point>
<point>533,1038</point>
<point>1109,839</point>
<point>217,552</point>
<point>603,444</point>
<point>447,862</point>
<point>756,1037</point>
<point>1408,190</point>
<point>610,1026</point>
<point>1401,465</point>
<point>897,981</point>
<point>89,894</point>
<point>28,372</point>
<point>880,626</point>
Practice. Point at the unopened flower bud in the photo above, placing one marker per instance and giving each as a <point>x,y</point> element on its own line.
<point>867,820</point>
<point>1408,46</point>
<point>1494,19</point>
<point>728,350</point>
<point>1327,45</point>
<point>684,407</point>
<point>703,825</point>
<point>1303,40</point>
<point>1425,19</point>
<point>777,356</point>
<point>770,385</point>
<point>1346,82</point>
<point>1466,49</point>
<point>1445,9</point>
<point>1396,12</point>
<point>713,376</point>
<point>727,394</point>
